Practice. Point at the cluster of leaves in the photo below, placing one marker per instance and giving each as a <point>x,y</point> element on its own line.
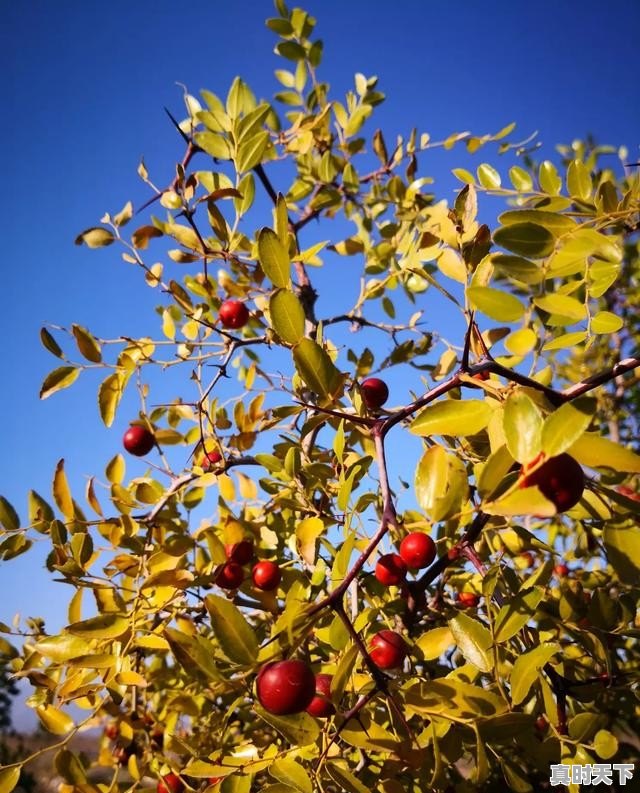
<point>556,285</point>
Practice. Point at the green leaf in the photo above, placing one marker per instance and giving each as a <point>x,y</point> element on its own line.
<point>60,378</point>
<point>579,180</point>
<point>521,342</point>
<point>54,720</point>
<point>474,641</point>
<point>605,744</point>
<point>452,417</point>
<point>9,778</point>
<point>564,305</point>
<point>435,642</point>
<point>87,345</point>
<point>622,544</point>
<point>488,176</point>
<point>450,264</point>
<point>555,222</point>
<point>521,501</point>
<point>8,516</point>
<point>287,316</point>
<point>526,669</point>
<point>61,492</point>
<point>274,258</point>
<point>105,626</point>
<point>606,322</point>
<point>496,304</point>
<point>520,179</point>
<point>62,648</point>
<point>441,483</point>
<point>565,340</point>
<point>237,639</point>
<point>525,239</point>
<point>287,770</point>
<point>316,368</point>
<point>49,343</point>
<point>300,729</point>
<point>565,425</point>
<point>307,532</point>
<point>522,425</point>
<point>195,654</point>
<point>453,697</point>
<point>515,614</point>
<point>595,451</point>
<point>96,237</point>
<point>251,151</point>
<point>340,774</point>
<point>109,396</point>
<point>215,145</point>
<point>549,179</point>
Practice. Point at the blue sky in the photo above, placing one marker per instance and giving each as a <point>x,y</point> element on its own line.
<point>83,91</point>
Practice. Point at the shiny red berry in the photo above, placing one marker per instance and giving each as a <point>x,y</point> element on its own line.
<point>321,705</point>
<point>388,650</point>
<point>391,569</point>
<point>417,550</point>
<point>285,687</point>
<point>231,575</point>
<point>467,599</point>
<point>374,392</point>
<point>561,570</point>
<point>266,575</point>
<point>233,314</point>
<point>211,460</point>
<point>171,783</point>
<point>560,479</point>
<point>240,552</point>
<point>138,440</point>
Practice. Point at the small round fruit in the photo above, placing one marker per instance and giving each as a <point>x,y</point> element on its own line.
<point>171,783</point>
<point>112,731</point>
<point>138,440</point>
<point>231,575</point>
<point>285,687</point>
<point>391,569</point>
<point>417,550</point>
<point>233,314</point>
<point>560,479</point>
<point>541,724</point>
<point>240,552</point>
<point>561,570</point>
<point>374,392</point>
<point>467,599</point>
<point>388,650</point>
<point>210,460</point>
<point>321,705</point>
<point>266,575</point>
<point>528,559</point>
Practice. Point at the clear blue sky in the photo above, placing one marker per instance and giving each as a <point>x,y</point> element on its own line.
<point>83,91</point>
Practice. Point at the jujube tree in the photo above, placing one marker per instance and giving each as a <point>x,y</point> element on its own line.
<point>236,622</point>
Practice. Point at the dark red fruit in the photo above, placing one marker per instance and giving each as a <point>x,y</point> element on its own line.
<point>231,575</point>
<point>285,687</point>
<point>391,569</point>
<point>266,575</point>
<point>467,599</point>
<point>374,392</point>
<point>560,479</point>
<point>233,314</point>
<point>138,440</point>
<point>417,550</point>
<point>541,724</point>
<point>240,552</point>
<point>121,754</point>
<point>321,705</point>
<point>561,570</point>
<point>112,731</point>
<point>171,783</point>
<point>388,650</point>
<point>528,558</point>
<point>210,460</point>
